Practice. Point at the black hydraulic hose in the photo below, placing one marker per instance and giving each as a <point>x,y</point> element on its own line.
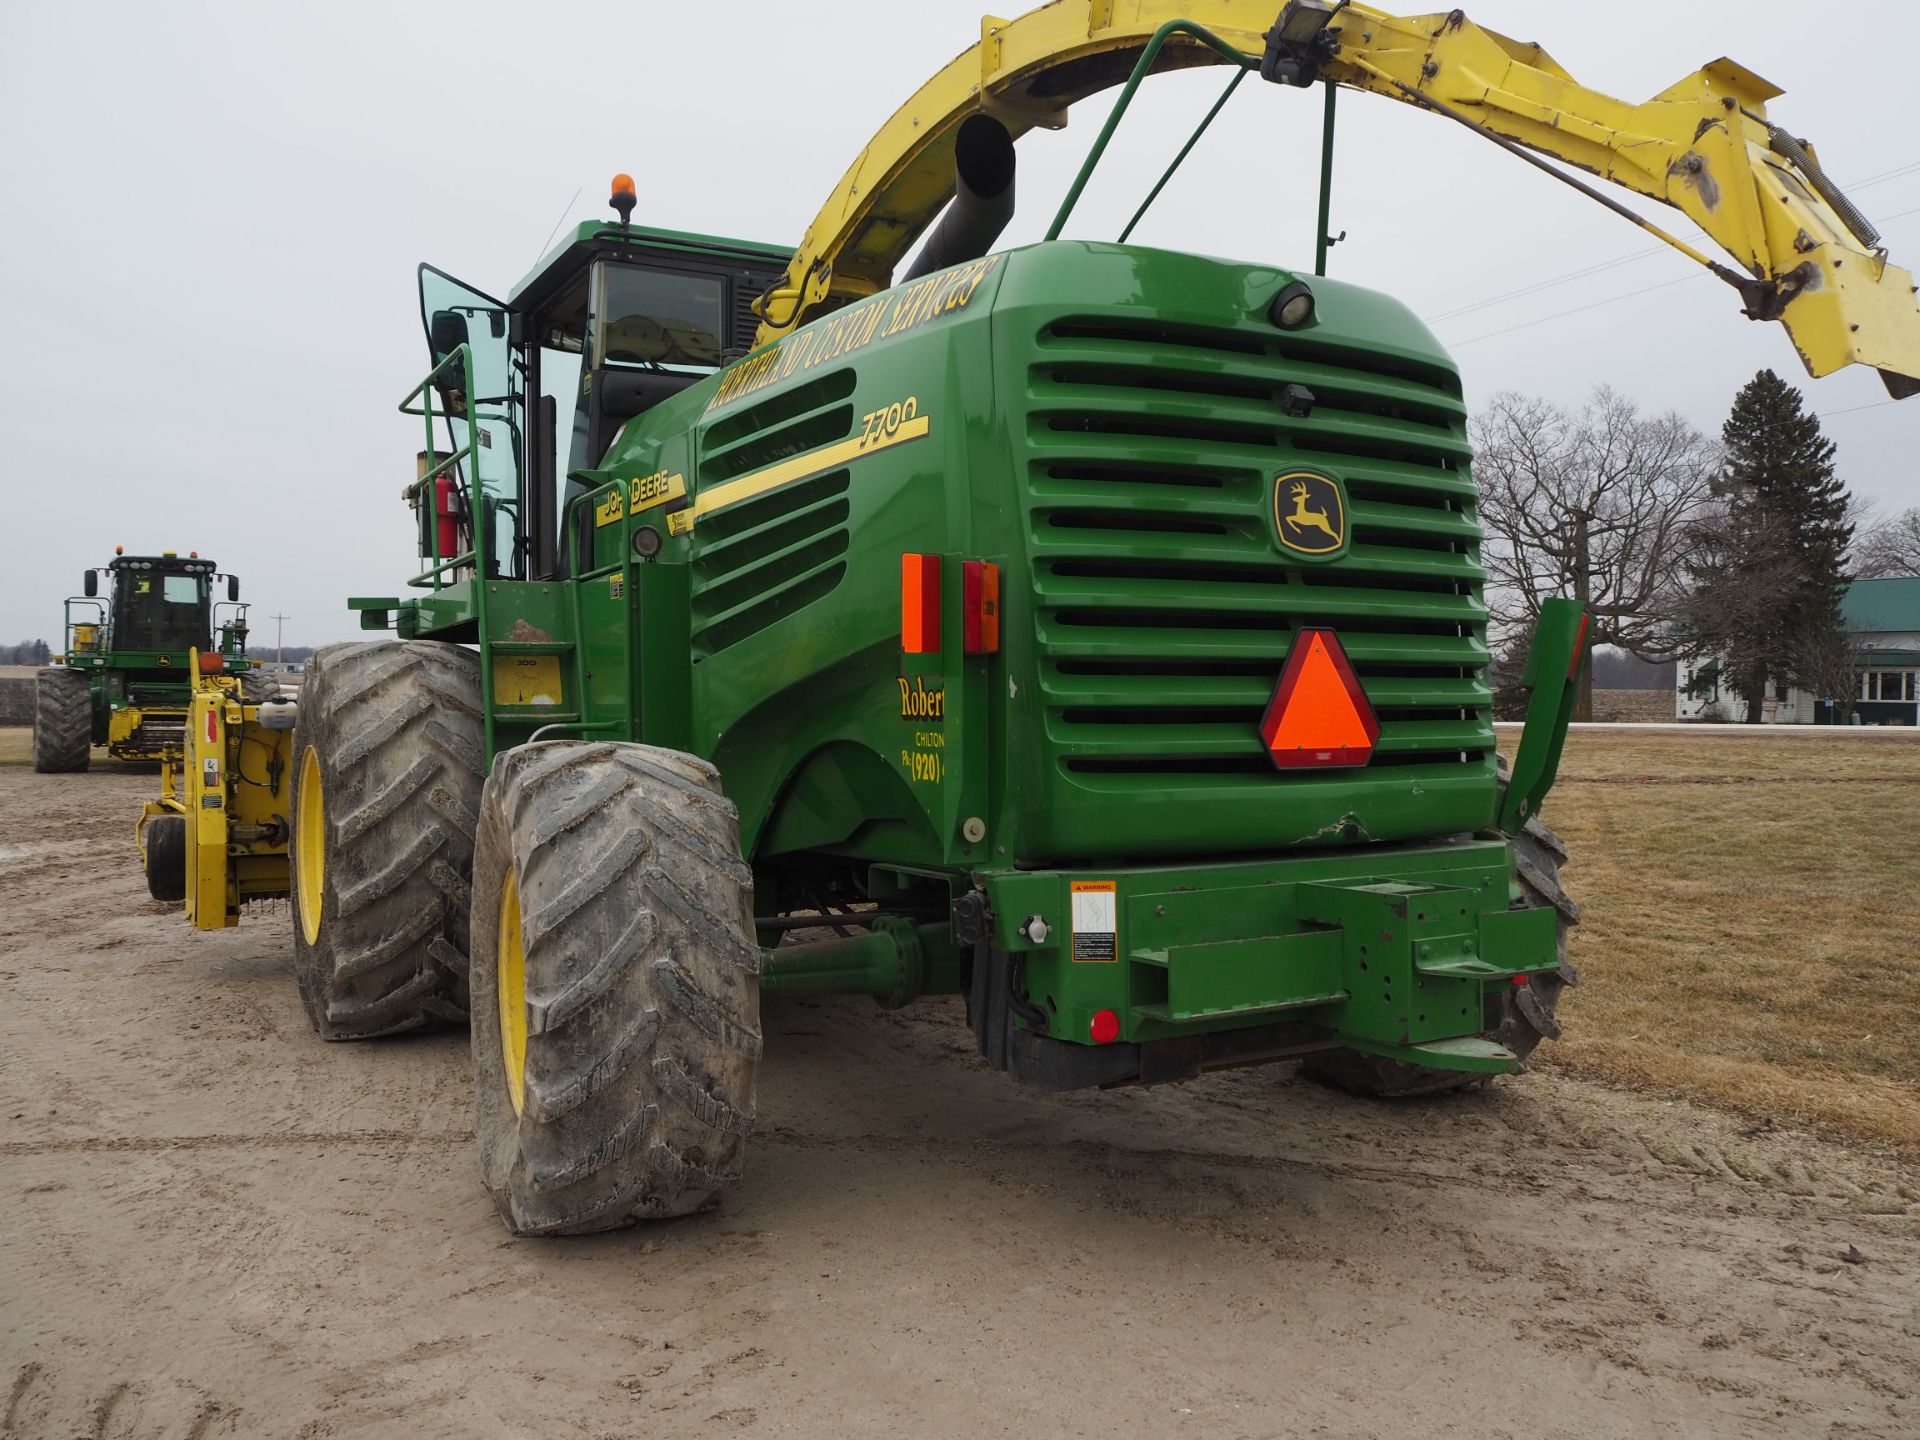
<point>1035,1017</point>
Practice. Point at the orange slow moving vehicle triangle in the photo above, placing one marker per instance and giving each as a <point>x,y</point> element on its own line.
<point>1319,715</point>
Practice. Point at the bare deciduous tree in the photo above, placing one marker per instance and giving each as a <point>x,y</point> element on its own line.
<point>1829,671</point>
<point>1599,504</point>
<point>1889,547</point>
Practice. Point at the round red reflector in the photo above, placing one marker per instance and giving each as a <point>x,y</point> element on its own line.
<point>1105,1028</point>
<point>1519,979</point>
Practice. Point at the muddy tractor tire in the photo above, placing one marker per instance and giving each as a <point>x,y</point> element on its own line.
<point>1529,1014</point>
<point>62,721</point>
<point>256,685</point>
<point>389,757</point>
<point>616,996</point>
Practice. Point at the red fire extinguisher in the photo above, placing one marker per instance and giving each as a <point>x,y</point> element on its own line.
<point>446,510</point>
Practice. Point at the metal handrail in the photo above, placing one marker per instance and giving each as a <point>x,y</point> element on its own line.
<point>1147,56</point>
<point>103,642</point>
<point>239,617</point>
<point>422,491</point>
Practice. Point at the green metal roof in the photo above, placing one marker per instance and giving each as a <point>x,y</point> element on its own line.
<point>1878,606</point>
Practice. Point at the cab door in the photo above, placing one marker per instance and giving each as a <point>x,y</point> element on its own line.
<point>481,397</point>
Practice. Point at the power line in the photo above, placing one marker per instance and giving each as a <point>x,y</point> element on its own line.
<point>1535,289</point>
<point>1619,260</point>
<point>1614,299</point>
<point>1884,176</point>
<point>1855,409</point>
<point>1577,310</point>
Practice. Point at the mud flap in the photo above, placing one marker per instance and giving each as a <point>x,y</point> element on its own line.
<point>1030,1057</point>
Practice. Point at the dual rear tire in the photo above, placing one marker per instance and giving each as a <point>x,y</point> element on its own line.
<point>389,755</point>
<point>616,993</point>
<point>588,899</point>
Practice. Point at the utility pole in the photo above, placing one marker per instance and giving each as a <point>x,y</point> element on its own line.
<point>279,631</point>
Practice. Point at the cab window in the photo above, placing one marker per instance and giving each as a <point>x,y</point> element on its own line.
<point>654,317</point>
<point>157,611</point>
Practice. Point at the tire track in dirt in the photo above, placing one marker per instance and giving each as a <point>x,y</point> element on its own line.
<point>270,1140</point>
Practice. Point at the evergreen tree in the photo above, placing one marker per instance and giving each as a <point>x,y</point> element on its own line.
<point>1774,573</point>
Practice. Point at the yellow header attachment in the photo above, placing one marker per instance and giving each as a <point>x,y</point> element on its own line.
<point>1801,254</point>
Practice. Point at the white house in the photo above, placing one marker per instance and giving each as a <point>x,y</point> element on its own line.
<point>1883,623</point>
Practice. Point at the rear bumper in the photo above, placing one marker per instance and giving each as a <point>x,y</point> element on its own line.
<point>1407,952</point>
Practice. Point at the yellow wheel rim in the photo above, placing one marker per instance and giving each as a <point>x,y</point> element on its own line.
<point>310,847</point>
<point>511,972</point>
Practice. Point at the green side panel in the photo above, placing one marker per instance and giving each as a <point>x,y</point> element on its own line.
<point>789,642</point>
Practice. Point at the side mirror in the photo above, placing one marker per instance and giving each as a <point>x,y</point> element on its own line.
<point>233,587</point>
<point>91,585</point>
<point>448,333</point>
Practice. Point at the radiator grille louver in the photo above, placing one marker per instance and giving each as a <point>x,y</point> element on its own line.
<point>760,560</point>
<point>1163,608</point>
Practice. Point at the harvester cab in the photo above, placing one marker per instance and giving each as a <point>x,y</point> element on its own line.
<point>1091,631</point>
<point>124,676</point>
<point>614,320</point>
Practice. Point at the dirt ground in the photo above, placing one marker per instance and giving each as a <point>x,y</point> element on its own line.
<point>215,1225</point>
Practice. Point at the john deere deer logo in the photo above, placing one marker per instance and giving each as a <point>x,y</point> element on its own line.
<point>1309,514</point>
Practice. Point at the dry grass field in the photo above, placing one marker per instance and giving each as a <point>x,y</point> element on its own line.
<point>1751,925</point>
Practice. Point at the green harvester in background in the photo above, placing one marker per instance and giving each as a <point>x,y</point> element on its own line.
<point>124,678</point>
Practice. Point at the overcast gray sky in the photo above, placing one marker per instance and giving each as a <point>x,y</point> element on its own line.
<point>210,216</point>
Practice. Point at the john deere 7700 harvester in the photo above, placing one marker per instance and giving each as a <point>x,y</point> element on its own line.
<point>123,680</point>
<point>1092,631</point>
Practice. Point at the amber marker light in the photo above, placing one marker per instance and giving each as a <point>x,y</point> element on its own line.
<point>622,198</point>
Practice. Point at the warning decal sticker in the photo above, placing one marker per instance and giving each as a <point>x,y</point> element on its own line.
<point>1096,924</point>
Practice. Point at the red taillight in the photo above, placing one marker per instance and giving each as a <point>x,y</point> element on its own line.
<point>1105,1028</point>
<point>920,604</point>
<point>980,585</point>
<point>1319,715</point>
